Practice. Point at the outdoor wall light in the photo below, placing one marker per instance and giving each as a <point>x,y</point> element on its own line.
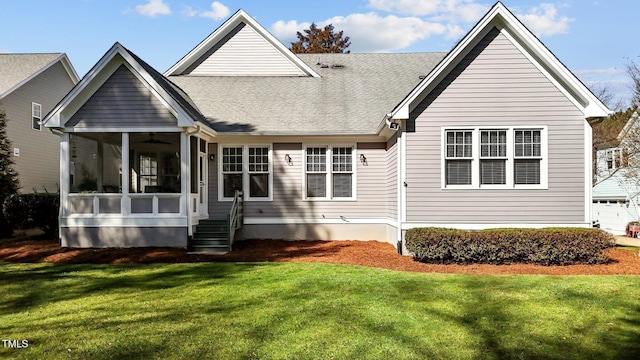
<point>363,159</point>
<point>288,159</point>
<point>212,157</point>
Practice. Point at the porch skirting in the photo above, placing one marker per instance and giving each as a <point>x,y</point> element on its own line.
<point>114,236</point>
<point>378,232</point>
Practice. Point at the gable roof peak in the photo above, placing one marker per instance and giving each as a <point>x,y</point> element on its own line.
<point>227,30</point>
<point>500,17</point>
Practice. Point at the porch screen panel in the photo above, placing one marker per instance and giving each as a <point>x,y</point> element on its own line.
<point>154,161</point>
<point>95,163</point>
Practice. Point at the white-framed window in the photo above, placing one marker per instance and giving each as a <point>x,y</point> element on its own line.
<point>329,173</point>
<point>36,116</point>
<point>247,168</point>
<point>494,157</point>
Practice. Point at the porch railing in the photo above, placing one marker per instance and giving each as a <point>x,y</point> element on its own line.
<point>236,217</point>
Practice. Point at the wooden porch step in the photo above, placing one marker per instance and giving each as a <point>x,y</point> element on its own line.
<point>211,236</point>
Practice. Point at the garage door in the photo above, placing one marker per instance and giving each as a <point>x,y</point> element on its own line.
<point>611,215</point>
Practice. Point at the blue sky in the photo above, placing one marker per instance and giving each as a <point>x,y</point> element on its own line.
<point>593,38</point>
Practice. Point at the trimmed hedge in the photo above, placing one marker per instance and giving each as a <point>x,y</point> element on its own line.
<point>37,210</point>
<point>549,246</point>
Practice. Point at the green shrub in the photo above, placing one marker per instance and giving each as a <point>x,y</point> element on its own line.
<point>37,210</point>
<point>549,246</point>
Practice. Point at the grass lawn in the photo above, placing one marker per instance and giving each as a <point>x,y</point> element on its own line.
<point>297,310</point>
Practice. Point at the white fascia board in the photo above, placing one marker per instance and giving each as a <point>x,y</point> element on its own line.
<point>501,17</point>
<point>239,17</point>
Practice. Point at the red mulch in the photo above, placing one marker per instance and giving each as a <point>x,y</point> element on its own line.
<point>364,253</point>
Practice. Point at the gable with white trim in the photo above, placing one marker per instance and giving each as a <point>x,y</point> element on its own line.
<point>122,101</point>
<point>244,53</point>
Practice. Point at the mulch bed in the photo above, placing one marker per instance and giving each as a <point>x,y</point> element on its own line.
<point>364,253</point>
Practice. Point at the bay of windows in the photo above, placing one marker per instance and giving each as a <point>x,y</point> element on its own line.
<point>329,172</point>
<point>494,158</point>
<point>248,169</point>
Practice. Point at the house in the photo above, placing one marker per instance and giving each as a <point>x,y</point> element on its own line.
<point>30,86</point>
<point>493,133</point>
<point>616,191</point>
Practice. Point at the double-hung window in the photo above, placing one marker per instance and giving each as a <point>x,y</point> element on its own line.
<point>493,157</point>
<point>329,172</point>
<point>528,155</point>
<point>36,116</point>
<point>248,169</point>
<point>459,157</point>
<point>501,158</point>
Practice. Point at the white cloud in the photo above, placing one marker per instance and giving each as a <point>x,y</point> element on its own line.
<point>442,10</point>
<point>288,29</point>
<point>153,8</point>
<point>218,11</point>
<point>188,11</point>
<point>370,32</point>
<point>544,20</point>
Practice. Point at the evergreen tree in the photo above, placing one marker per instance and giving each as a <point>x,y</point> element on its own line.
<point>316,40</point>
<point>9,183</point>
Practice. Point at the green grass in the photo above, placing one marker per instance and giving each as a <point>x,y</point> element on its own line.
<point>293,310</point>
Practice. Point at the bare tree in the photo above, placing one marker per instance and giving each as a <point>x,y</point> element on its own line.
<point>633,70</point>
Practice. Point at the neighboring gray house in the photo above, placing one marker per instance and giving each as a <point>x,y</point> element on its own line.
<point>493,133</point>
<point>30,86</point>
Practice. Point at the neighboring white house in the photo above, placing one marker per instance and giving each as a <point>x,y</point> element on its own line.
<point>494,133</point>
<point>30,86</point>
<point>616,190</point>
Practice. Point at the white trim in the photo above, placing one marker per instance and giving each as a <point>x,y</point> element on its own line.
<point>142,129</point>
<point>481,226</point>
<point>475,158</point>
<point>588,179</point>
<point>239,17</point>
<point>329,172</point>
<point>300,221</point>
<point>402,173</point>
<point>34,106</point>
<point>245,172</point>
<point>170,220</point>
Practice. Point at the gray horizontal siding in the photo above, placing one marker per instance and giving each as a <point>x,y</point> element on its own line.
<point>38,164</point>
<point>122,101</point>
<point>496,85</point>
<point>288,188</point>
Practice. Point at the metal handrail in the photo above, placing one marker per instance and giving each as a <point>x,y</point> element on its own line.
<point>236,217</point>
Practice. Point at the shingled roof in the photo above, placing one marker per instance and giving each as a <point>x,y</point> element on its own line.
<point>16,68</point>
<point>351,96</point>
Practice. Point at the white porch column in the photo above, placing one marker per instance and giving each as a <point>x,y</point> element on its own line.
<point>125,204</point>
<point>65,176</point>
<point>185,178</point>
